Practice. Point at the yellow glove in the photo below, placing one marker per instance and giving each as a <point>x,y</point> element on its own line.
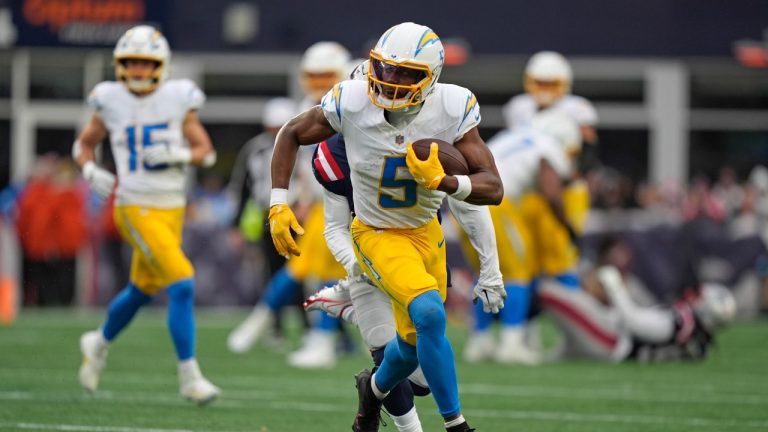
<point>428,173</point>
<point>281,221</point>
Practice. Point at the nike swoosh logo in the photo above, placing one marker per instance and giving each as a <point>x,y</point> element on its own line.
<point>440,243</point>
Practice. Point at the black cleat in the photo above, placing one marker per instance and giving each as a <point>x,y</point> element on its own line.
<point>464,427</point>
<point>369,406</point>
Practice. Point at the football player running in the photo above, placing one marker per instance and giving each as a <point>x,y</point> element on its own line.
<point>548,79</point>
<point>155,134</point>
<point>529,224</point>
<point>356,298</point>
<point>395,233</point>
<point>322,65</point>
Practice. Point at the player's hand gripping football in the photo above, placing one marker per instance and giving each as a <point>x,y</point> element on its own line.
<point>428,173</point>
<point>281,222</point>
<point>492,296</point>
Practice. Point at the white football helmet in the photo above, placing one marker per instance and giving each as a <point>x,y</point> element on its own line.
<point>358,69</point>
<point>142,43</point>
<point>404,66</point>
<point>548,77</point>
<point>323,65</point>
<point>562,128</point>
<point>715,307</point>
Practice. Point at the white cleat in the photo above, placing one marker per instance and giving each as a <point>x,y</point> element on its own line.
<point>242,338</point>
<point>193,386</point>
<point>513,350</point>
<point>480,347</point>
<point>318,351</point>
<point>94,349</point>
<point>333,300</point>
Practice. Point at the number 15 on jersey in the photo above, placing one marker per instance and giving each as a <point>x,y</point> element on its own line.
<point>146,142</point>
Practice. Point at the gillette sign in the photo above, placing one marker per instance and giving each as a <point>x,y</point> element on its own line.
<point>81,22</point>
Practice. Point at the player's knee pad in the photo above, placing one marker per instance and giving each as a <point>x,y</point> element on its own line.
<point>181,291</point>
<point>374,314</point>
<point>428,313</point>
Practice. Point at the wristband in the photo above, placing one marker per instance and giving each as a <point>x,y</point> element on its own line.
<point>88,169</point>
<point>278,196</point>
<point>209,159</point>
<point>464,188</point>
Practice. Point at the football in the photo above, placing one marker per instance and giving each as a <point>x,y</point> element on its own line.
<point>452,160</point>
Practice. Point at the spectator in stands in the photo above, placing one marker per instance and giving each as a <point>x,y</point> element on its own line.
<point>52,229</point>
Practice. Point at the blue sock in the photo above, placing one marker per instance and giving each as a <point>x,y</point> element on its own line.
<point>181,318</point>
<point>399,361</point>
<point>282,288</point>
<point>434,351</point>
<point>483,320</point>
<point>122,309</point>
<point>569,280</point>
<point>327,323</point>
<point>400,399</point>
<point>515,311</point>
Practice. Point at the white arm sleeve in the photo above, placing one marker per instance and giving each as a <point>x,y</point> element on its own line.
<point>337,218</point>
<point>476,222</point>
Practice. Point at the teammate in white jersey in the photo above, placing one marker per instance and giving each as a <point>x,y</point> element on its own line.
<point>322,65</point>
<point>548,79</point>
<point>155,134</point>
<point>530,220</point>
<point>395,233</point>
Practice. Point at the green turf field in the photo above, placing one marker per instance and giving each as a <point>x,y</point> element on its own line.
<point>138,393</point>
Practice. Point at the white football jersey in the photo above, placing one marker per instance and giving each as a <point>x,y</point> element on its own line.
<point>519,111</point>
<point>136,123</point>
<point>385,193</point>
<point>518,154</point>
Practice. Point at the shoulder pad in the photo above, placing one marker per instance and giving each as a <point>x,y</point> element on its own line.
<point>355,95</point>
<point>582,110</point>
<point>346,97</point>
<point>187,92</point>
<point>102,93</point>
<point>461,105</point>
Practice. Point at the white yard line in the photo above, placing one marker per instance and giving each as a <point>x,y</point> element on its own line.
<point>108,396</point>
<point>619,392</point>
<point>569,417</point>
<point>238,388</point>
<point>543,416</point>
<point>85,428</point>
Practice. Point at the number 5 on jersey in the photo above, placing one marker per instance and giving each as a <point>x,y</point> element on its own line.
<point>395,191</point>
<point>146,142</point>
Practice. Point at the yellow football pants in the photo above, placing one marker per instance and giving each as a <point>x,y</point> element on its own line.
<point>403,263</point>
<point>316,260</point>
<point>155,235</point>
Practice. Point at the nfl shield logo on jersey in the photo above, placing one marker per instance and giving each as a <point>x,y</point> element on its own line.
<point>399,139</point>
